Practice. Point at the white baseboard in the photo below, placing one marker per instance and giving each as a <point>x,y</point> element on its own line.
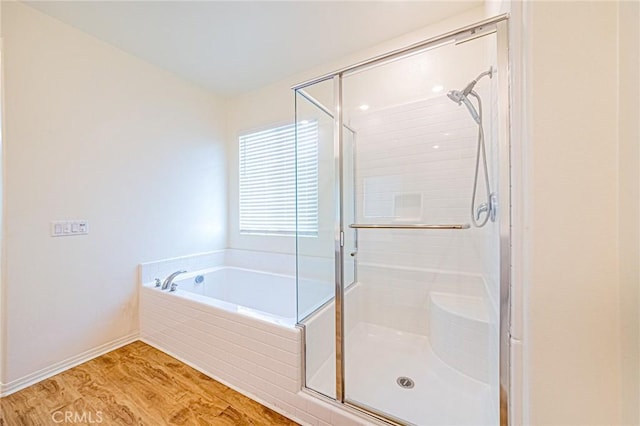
<point>59,367</point>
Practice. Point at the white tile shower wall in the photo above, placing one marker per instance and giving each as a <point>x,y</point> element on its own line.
<point>398,297</point>
<point>259,359</point>
<point>425,150</point>
<point>486,240</point>
<point>445,250</point>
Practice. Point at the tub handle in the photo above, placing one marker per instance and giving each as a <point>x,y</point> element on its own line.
<point>174,286</point>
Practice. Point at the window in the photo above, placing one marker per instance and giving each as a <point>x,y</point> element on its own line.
<point>268,181</point>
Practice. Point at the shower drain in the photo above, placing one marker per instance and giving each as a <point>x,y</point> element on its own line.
<point>405,382</point>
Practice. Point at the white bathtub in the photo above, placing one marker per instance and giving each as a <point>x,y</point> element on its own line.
<point>258,294</point>
<point>251,350</point>
<point>238,326</point>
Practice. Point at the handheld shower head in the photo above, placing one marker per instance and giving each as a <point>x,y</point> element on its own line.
<point>460,98</point>
<point>456,96</point>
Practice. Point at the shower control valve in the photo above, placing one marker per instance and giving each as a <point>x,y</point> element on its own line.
<point>493,206</point>
<point>490,207</point>
<point>482,208</point>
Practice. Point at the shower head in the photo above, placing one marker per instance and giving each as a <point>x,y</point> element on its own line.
<point>461,97</point>
<point>456,96</point>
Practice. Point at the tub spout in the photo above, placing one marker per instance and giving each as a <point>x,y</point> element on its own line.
<point>169,280</point>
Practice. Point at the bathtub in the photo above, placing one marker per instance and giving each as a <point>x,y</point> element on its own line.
<point>238,326</point>
<point>251,344</point>
<point>258,294</point>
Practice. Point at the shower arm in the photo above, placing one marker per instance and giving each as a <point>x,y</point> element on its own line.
<point>471,85</point>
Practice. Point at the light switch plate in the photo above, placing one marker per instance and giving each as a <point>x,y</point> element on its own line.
<point>67,228</point>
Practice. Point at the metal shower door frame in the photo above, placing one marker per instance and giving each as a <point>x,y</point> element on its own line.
<point>499,26</point>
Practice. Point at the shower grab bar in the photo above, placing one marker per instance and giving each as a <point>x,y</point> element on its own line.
<point>408,226</point>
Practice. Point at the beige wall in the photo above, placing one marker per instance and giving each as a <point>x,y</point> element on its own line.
<point>572,335</point>
<point>93,133</point>
<point>629,214</point>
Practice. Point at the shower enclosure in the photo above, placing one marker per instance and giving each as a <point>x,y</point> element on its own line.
<point>403,216</point>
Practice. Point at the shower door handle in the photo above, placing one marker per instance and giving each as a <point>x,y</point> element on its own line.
<point>408,226</point>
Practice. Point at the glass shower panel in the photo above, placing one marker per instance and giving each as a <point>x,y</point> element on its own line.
<point>420,319</point>
<point>316,205</point>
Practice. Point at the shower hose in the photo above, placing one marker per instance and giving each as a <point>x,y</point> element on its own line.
<point>481,150</point>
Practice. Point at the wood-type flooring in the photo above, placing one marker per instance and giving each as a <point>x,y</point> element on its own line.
<point>133,385</point>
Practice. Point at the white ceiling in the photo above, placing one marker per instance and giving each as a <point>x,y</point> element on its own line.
<point>232,47</point>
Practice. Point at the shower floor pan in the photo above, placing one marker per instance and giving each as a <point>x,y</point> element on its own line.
<point>376,357</point>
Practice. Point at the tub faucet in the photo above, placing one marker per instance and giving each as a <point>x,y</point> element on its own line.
<point>169,280</point>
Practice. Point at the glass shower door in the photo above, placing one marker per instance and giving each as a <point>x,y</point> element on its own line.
<point>325,255</point>
<point>420,336</point>
<point>316,204</point>
<point>401,289</point>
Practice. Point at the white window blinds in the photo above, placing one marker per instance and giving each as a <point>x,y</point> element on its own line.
<point>268,180</point>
